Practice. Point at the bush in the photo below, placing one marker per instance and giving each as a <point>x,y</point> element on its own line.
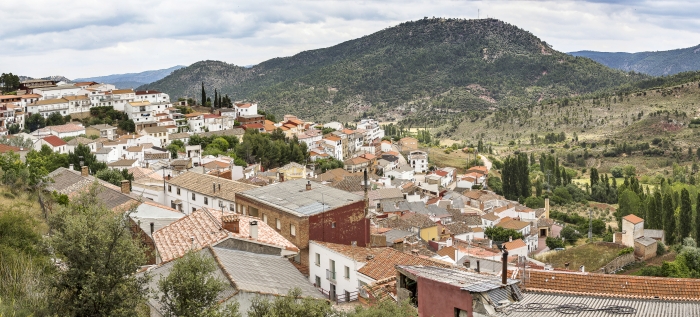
<point>616,171</point>
<point>554,243</point>
<point>625,251</point>
<point>570,234</point>
<point>660,248</point>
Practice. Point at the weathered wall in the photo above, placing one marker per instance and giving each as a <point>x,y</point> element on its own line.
<point>437,299</point>
<point>350,225</point>
<point>618,263</point>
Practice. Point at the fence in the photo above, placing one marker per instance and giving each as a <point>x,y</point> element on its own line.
<point>340,298</point>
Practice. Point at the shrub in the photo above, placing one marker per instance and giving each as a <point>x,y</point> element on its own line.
<point>554,243</point>
<point>660,248</point>
<point>625,251</point>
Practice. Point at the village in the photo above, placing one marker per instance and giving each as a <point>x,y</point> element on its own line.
<point>358,218</point>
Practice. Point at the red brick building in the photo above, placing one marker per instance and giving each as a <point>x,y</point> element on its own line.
<point>303,211</point>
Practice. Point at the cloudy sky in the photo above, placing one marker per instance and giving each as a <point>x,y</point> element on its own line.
<point>81,38</point>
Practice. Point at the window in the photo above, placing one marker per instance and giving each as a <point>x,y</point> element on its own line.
<point>264,218</point>
<point>193,197</point>
<point>347,272</point>
<point>178,191</point>
<point>170,189</point>
<point>333,224</point>
<point>292,230</point>
<point>194,209</point>
<point>278,223</point>
<point>318,259</point>
<point>206,200</point>
<point>318,281</point>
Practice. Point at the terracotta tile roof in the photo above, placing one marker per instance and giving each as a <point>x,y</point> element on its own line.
<point>54,140</point>
<point>147,92</point>
<point>140,172</point>
<point>490,217</point>
<point>382,290</point>
<point>215,164</point>
<point>633,219</point>
<point>359,254</point>
<point>192,115</point>
<point>202,184</point>
<point>122,91</point>
<point>211,116</point>
<point>332,138</point>
<point>512,224</point>
<point>356,161</point>
<point>243,105</point>
<point>7,148</point>
<point>447,251</point>
<point>612,285</point>
<point>409,220</point>
<point>203,228</point>
<point>383,264</point>
<point>515,244</point>
<point>441,173</point>
<point>253,126</point>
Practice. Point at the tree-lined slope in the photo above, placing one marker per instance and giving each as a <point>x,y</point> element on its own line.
<point>659,63</point>
<point>490,62</point>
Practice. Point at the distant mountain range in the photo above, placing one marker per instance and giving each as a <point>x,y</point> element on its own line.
<point>132,80</point>
<point>659,63</point>
<point>450,64</point>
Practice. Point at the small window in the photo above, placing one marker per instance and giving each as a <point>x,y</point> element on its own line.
<point>347,272</point>
<point>279,224</point>
<point>193,197</point>
<point>206,200</point>
<point>178,191</point>
<point>194,209</point>
<point>170,189</point>
<point>318,259</point>
<point>333,224</point>
<point>264,218</point>
<point>292,230</point>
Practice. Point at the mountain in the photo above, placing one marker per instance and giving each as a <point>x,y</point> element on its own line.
<point>659,63</point>
<point>132,80</point>
<point>55,77</point>
<point>453,64</point>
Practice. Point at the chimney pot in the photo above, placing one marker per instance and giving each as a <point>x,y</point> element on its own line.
<point>126,187</point>
<point>308,185</point>
<point>254,230</point>
<point>84,171</point>
<point>510,238</point>
<point>71,166</point>
<point>504,273</point>
<point>153,225</point>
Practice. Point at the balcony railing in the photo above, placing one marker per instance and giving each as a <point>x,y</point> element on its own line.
<point>330,275</point>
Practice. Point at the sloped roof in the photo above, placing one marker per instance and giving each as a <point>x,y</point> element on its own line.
<point>72,183</point>
<point>54,140</point>
<point>359,254</point>
<point>613,285</point>
<point>383,265</point>
<point>513,224</point>
<point>633,219</point>
<point>204,227</point>
<point>515,244</point>
<point>8,148</point>
<point>202,184</point>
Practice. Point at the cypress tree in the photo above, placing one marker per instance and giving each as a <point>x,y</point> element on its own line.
<point>216,98</point>
<point>685,218</point>
<point>204,96</point>
<point>697,218</point>
<point>669,220</point>
<point>594,176</point>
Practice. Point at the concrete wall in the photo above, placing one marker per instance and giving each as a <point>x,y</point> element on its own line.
<point>342,284</point>
<point>618,263</point>
<point>645,252</point>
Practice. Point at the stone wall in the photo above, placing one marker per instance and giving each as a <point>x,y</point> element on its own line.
<point>618,263</point>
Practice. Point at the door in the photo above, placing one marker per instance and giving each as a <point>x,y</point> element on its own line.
<point>332,293</point>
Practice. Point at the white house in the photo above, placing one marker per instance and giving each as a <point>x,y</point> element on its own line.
<point>57,92</point>
<point>46,107</point>
<point>152,96</point>
<point>333,267</point>
<point>245,109</point>
<point>404,172</point>
<point>419,161</point>
<point>107,154</point>
<point>191,191</point>
<point>61,131</point>
<point>517,247</point>
<point>372,128</point>
<point>385,146</point>
<point>337,145</point>
<point>55,143</point>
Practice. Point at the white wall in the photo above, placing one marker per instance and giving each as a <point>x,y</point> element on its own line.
<point>342,283</point>
<point>198,202</point>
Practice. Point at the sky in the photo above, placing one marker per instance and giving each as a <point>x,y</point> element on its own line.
<point>85,38</point>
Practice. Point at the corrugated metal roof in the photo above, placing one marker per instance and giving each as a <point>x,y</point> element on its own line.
<point>468,281</point>
<point>542,305</point>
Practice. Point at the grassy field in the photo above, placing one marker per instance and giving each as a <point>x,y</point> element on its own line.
<point>592,256</point>
<point>456,158</point>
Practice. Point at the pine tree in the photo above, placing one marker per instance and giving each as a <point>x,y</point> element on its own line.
<point>204,96</point>
<point>669,220</point>
<point>686,215</point>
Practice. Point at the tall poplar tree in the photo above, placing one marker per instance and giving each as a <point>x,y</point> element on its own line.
<point>685,219</point>
<point>669,220</point>
<point>697,218</point>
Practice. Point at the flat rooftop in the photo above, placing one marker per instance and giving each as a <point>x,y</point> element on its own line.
<point>293,197</point>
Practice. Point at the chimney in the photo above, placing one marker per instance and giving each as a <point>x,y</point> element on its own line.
<point>71,167</point>
<point>546,208</point>
<point>231,223</point>
<point>254,230</point>
<point>84,171</point>
<point>510,238</point>
<point>308,185</point>
<point>153,226</point>
<point>478,266</point>
<point>504,273</point>
<point>366,195</point>
<point>583,268</point>
<point>126,186</point>
<point>566,265</point>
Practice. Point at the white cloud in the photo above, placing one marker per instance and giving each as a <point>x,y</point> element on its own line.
<point>81,38</point>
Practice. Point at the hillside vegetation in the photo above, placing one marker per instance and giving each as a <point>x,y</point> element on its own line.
<point>657,63</point>
<point>451,64</point>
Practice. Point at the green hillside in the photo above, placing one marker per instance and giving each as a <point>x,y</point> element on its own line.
<point>452,64</point>
<point>660,63</point>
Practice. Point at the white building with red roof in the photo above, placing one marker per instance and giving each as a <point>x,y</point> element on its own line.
<point>54,143</point>
<point>61,131</point>
<point>245,109</point>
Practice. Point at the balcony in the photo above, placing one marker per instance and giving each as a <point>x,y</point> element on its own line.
<point>330,275</point>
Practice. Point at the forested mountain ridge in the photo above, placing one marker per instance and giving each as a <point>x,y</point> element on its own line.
<point>451,64</point>
<point>659,63</point>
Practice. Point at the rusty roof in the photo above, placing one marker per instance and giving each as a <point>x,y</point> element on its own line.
<point>384,264</point>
